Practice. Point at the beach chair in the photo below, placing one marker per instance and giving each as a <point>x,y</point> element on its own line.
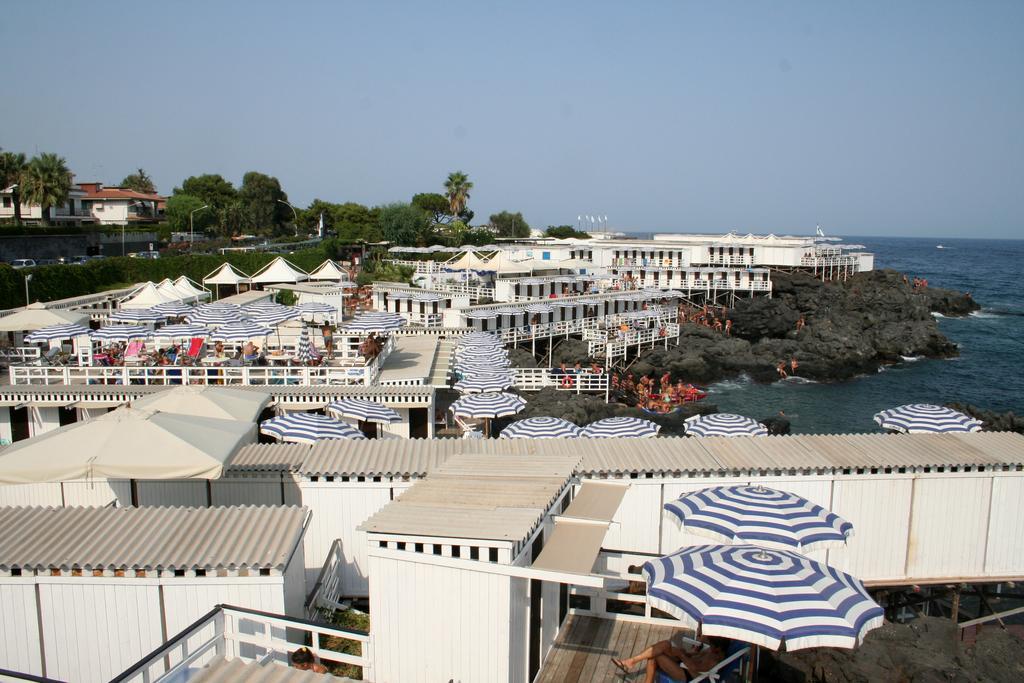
<point>195,347</point>
<point>729,670</point>
<point>134,350</point>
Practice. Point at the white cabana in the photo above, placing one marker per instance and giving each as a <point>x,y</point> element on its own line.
<point>206,401</point>
<point>189,290</point>
<point>128,443</point>
<point>278,270</point>
<point>167,288</point>
<point>37,316</point>
<point>147,296</point>
<point>328,270</point>
<point>227,275</point>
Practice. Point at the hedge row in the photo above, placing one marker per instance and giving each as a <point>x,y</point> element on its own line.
<point>60,281</point>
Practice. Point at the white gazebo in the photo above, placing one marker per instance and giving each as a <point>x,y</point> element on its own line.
<point>329,270</point>
<point>277,271</point>
<point>206,401</point>
<point>226,276</point>
<point>37,316</point>
<point>189,290</point>
<point>147,296</point>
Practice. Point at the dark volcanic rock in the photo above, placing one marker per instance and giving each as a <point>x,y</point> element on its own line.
<point>949,302</point>
<point>993,422</point>
<point>850,328</point>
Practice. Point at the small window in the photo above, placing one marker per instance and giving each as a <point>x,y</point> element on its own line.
<point>264,571</point>
<point>200,572</point>
<point>179,573</point>
<point>493,554</point>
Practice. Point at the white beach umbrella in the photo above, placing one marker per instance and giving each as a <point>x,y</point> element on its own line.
<point>121,332</point>
<point>541,428</point>
<point>182,331</point>
<point>481,382</point>
<point>925,418</point>
<point>61,331</point>
<point>137,315</point>
<point>308,428</point>
<point>488,405</point>
<point>240,332</point>
<point>360,409</point>
<point>621,427</point>
<point>214,316</point>
<point>724,424</point>
<point>173,309</point>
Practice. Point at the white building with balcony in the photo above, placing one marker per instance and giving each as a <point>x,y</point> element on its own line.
<point>121,206</point>
<point>72,212</point>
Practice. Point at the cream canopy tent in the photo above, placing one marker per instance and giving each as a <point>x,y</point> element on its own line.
<point>227,274</point>
<point>278,270</point>
<point>127,443</point>
<point>328,270</point>
<point>147,296</point>
<point>166,288</point>
<point>205,401</point>
<point>37,316</point>
<point>188,290</point>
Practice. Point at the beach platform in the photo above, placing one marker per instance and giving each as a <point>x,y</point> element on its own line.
<point>411,362</point>
<point>583,651</point>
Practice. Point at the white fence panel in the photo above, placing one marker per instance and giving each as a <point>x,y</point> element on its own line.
<point>19,642</point>
<point>1005,551</point>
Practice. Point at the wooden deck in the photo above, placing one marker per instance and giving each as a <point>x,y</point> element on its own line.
<point>585,646</point>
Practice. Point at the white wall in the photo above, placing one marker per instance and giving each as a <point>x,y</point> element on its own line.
<point>93,629</point>
<point>906,527</point>
<point>19,646</point>
<point>185,599</point>
<point>436,623</point>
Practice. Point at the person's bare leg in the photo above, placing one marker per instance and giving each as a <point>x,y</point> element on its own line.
<point>670,667</point>
<point>659,648</point>
<point>652,671</point>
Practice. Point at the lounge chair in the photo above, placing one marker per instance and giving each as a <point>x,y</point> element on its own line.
<point>727,671</point>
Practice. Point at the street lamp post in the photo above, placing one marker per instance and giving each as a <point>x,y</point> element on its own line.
<point>28,276</point>
<point>295,216</point>
<point>191,226</point>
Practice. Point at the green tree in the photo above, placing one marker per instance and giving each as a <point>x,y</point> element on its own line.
<point>565,231</point>
<point>139,181</point>
<point>46,181</point>
<point>261,197</point>
<point>232,219</point>
<point>180,207</point>
<point>12,166</point>
<point>510,224</point>
<point>435,205</point>
<point>211,188</point>
<point>403,224</point>
<point>457,188</point>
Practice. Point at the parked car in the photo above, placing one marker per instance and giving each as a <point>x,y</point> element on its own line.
<point>23,263</point>
<point>78,260</point>
<point>146,254</point>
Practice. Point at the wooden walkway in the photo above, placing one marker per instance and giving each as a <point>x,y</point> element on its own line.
<point>585,646</point>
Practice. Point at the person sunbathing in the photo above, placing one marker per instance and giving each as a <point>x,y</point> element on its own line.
<point>674,658</point>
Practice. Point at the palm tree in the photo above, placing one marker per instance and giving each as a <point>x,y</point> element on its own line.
<point>140,182</point>
<point>12,165</point>
<point>46,181</point>
<point>457,188</point>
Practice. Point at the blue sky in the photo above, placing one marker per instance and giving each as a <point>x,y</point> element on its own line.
<point>866,117</point>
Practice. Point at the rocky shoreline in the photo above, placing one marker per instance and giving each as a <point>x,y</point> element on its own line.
<point>849,328</point>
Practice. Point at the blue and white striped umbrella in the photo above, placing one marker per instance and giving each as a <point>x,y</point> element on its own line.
<point>173,309</point>
<point>923,418</point>
<point>427,297</point>
<point>541,428</point>
<point>490,405</point>
<point>214,316</point>
<point>481,315</point>
<point>476,369</point>
<point>375,322</point>
<point>483,361</point>
<point>479,337</point>
<point>218,306</point>
<point>183,331</point>
<point>539,308</point>
<point>621,427</point>
<point>482,353</point>
<point>275,316</point>
<point>260,305</point>
<point>62,331</point>
<point>137,315</point>
<point>316,307</point>
<point>121,332</point>
<point>765,597</point>
<point>480,382</point>
<point>756,514</point>
<point>479,347</point>
<point>360,409</point>
<point>308,428</point>
<point>305,352</point>
<point>724,424</point>
<point>240,332</point>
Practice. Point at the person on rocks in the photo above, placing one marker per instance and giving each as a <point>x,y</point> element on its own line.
<point>793,365</point>
<point>781,369</point>
<point>800,323</point>
<point>728,327</point>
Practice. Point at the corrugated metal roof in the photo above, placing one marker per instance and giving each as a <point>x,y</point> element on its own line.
<point>477,497</point>
<point>283,457</point>
<point>149,537</point>
<point>221,670</point>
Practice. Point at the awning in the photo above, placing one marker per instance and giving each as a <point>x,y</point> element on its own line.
<point>313,405</point>
<point>97,405</point>
<point>579,532</point>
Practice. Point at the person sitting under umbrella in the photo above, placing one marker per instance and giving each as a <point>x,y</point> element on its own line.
<point>679,662</point>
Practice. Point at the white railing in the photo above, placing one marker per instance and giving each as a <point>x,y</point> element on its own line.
<point>535,379</point>
<point>561,328</point>
<point>661,263</point>
<point>730,260</point>
<point>248,635</point>
<point>422,267</point>
<point>169,374</point>
<point>474,291</point>
<point>20,355</point>
<point>327,589</point>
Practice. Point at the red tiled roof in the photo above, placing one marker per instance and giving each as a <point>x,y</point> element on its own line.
<point>93,192</point>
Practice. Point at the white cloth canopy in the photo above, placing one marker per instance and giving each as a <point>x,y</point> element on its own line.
<point>279,270</point>
<point>37,316</point>
<point>227,274</point>
<point>188,290</point>
<point>328,270</point>
<point>147,296</point>
<point>127,443</point>
<point>205,401</point>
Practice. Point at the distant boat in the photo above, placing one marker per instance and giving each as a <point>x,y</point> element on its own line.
<point>939,246</point>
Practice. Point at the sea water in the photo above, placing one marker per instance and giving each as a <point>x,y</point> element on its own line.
<point>989,373</point>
